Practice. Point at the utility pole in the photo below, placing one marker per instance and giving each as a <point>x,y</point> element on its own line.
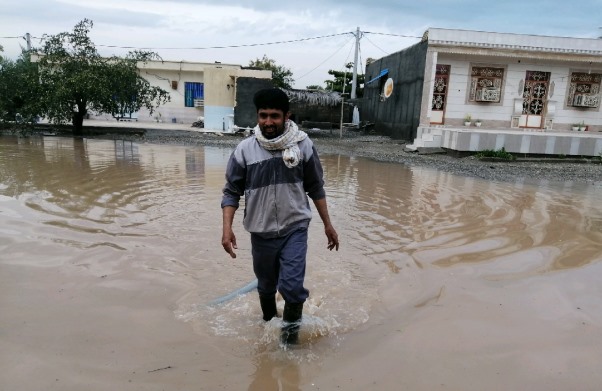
<point>342,105</point>
<point>354,81</point>
<point>28,40</point>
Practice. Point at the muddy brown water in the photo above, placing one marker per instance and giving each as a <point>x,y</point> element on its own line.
<point>110,252</point>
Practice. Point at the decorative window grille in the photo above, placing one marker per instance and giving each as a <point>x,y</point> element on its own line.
<point>486,84</point>
<point>584,90</point>
<point>440,92</point>
<point>193,94</point>
<point>440,88</point>
<point>535,92</point>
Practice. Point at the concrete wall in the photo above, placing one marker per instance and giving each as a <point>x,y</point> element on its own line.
<point>163,78</point>
<point>314,113</point>
<point>245,114</point>
<point>399,115</point>
<point>515,141</point>
<point>215,77</point>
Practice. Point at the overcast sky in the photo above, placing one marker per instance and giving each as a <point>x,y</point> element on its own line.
<point>192,24</point>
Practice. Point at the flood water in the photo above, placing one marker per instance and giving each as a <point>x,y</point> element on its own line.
<point>110,252</point>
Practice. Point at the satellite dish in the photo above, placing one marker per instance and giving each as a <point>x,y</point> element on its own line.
<point>388,89</point>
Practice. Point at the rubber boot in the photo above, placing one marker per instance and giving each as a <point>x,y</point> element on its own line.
<point>291,318</point>
<point>268,306</point>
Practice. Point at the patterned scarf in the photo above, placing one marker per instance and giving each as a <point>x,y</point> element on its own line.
<point>286,142</point>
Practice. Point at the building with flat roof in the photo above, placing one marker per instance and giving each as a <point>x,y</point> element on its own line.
<point>518,82</point>
<point>505,80</point>
<point>197,90</point>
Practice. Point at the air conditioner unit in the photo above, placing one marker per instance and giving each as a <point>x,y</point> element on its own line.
<point>199,102</point>
<point>487,95</point>
<point>586,100</point>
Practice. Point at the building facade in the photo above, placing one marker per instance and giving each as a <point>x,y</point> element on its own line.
<point>506,81</point>
<point>205,90</point>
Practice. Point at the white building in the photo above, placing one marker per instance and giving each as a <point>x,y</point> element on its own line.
<point>512,83</point>
<point>512,80</point>
<point>197,90</point>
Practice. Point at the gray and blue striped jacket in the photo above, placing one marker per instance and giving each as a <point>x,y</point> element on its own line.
<point>275,196</point>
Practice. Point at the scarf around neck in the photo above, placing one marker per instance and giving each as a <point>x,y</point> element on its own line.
<point>287,142</point>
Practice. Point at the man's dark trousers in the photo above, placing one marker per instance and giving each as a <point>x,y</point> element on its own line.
<point>279,264</point>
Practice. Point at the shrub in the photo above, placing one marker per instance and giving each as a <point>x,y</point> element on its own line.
<point>499,154</point>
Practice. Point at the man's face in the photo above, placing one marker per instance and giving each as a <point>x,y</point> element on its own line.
<point>271,122</point>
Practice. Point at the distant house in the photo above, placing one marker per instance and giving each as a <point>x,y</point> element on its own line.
<point>508,81</point>
<point>197,90</point>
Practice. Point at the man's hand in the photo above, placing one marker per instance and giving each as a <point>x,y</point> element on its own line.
<point>228,237</point>
<point>331,233</point>
<point>333,238</point>
<point>229,242</point>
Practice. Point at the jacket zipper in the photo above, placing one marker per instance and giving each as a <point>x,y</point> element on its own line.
<point>275,200</point>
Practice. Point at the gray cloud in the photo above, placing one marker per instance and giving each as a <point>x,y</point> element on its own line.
<point>519,16</point>
<point>67,15</point>
<point>309,18</point>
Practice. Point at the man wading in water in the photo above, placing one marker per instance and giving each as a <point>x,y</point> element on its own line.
<point>276,169</point>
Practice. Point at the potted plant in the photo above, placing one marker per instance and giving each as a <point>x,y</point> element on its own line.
<point>582,126</point>
<point>467,120</point>
<point>575,127</point>
<point>477,123</point>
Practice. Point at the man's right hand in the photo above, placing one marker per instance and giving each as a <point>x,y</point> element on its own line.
<point>228,237</point>
<point>229,242</point>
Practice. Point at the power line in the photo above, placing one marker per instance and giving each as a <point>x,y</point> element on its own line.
<point>322,63</point>
<point>243,45</point>
<point>393,35</point>
<point>376,46</point>
<point>220,47</point>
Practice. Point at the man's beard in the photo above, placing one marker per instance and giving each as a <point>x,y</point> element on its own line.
<point>271,132</point>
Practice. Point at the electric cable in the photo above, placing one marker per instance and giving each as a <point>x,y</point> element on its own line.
<point>376,46</point>
<point>220,47</point>
<point>322,63</point>
<point>392,35</point>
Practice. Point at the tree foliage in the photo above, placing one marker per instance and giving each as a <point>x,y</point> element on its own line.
<point>344,79</point>
<point>281,76</point>
<point>76,80</point>
<point>19,90</point>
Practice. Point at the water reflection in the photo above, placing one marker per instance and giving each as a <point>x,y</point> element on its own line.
<point>275,372</point>
<point>145,218</point>
<point>442,220</point>
<point>156,200</point>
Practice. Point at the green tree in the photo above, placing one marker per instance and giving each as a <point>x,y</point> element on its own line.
<point>76,80</point>
<point>281,76</point>
<point>19,90</point>
<point>345,79</point>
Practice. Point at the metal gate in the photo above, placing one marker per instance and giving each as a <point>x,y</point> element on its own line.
<point>535,96</point>
<point>440,94</point>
